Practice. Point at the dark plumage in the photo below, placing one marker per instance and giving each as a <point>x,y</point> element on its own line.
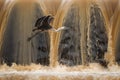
<point>38,22</point>
<point>43,23</point>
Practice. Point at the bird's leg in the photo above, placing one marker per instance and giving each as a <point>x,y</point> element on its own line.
<point>29,38</point>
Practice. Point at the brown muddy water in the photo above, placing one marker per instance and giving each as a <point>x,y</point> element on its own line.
<point>87,50</point>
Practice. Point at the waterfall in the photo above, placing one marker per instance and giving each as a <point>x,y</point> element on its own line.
<point>88,49</point>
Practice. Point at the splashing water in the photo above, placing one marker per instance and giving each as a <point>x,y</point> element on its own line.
<point>38,72</point>
<point>91,37</point>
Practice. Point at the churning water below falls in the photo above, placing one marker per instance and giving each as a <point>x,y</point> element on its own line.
<point>88,49</point>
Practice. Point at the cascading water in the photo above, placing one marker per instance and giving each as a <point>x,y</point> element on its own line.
<point>91,37</point>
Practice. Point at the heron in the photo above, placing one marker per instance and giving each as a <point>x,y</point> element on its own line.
<point>43,24</point>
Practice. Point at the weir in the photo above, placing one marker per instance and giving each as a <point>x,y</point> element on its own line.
<point>90,42</point>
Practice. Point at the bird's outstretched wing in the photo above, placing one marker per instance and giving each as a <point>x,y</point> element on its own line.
<point>46,20</point>
<point>39,21</point>
<point>41,25</point>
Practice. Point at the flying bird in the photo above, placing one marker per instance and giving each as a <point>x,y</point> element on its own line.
<point>43,24</point>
